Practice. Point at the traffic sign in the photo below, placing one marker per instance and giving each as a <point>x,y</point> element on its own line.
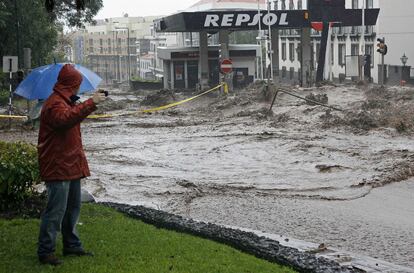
<point>10,64</point>
<point>226,66</point>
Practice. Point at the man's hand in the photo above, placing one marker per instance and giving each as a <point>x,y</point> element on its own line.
<point>98,97</point>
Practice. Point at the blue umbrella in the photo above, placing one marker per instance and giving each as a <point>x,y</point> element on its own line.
<point>40,82</point>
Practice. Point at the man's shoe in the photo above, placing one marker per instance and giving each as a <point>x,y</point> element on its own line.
<point>50,259</point>
<point>76,252</point>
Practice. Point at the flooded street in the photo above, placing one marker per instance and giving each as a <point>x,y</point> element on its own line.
<point>222,160</point>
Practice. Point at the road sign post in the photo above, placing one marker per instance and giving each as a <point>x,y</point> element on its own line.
<point>226,67</point>
<point>10,65</point>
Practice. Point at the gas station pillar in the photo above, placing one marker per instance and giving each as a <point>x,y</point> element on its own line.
<point>225,54</point>
<point>203,63</point>
<point>306,60</point>
<point>275,49</point>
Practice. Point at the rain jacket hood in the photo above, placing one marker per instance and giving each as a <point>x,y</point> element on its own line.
<point>69,80</point>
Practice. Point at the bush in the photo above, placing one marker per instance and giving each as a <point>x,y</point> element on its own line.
<point>4,97</point>
<point>138,79</point>
<point>19,173</point>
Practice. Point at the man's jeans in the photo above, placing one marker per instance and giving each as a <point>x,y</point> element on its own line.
<point>62,211</point>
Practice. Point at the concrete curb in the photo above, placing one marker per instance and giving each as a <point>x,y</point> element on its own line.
<point>249,242</point>
<point>87,197</point>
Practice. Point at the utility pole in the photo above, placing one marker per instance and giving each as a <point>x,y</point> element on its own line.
<point>382,69</point>
<point>17,31</point>
<point>269,44</point>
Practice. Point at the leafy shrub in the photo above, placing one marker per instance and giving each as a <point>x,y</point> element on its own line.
<point>138,79</point>
<point>4,97</point>
<point>19,173</point>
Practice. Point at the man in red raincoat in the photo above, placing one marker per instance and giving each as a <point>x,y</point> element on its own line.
<point>62,164</point>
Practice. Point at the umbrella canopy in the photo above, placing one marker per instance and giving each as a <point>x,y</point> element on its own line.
<point>40,82</point>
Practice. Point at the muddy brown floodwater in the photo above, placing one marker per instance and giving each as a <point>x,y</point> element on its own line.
<point>221,160</point>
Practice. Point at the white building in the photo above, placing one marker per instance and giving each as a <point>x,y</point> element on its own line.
<point>104,47</point>
<point>145,65</point>
<point>395,21</point>
<point>158,40</point>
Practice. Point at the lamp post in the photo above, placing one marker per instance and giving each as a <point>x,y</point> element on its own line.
<point>259,38</point>
<point>269,45</point>
<point>138,45</point>
<point>17,33</point>
<point>363,38</point>
<point>117,70</point>
<point>404,60</point>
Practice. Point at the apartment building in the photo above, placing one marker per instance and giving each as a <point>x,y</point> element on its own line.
<point>111,47</point>
<point>394,24</point>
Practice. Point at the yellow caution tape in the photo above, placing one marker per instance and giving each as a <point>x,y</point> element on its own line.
<point>161,107</point>
<point>226,90</point>
<point>12,117</point>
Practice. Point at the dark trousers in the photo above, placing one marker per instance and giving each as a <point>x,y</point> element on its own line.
<point>61,214</point>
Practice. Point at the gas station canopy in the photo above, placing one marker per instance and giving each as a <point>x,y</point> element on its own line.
<point>213,21</point>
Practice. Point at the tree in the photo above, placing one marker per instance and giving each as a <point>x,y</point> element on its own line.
<point>3,14</point>
<point>243,37</point>
<point>38,29</point>
<point>74,13</point>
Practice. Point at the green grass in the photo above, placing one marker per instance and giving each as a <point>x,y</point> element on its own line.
<point>123,244</point>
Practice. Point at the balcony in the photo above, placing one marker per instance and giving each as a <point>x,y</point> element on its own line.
<point>290,33</point>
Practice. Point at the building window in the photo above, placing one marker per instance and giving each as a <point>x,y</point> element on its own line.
<point>291,52</point>
<point>355,4</point>
<point>283,4</point>
<point>369,50</point>
<point>300,5</point>
<point>284,51</point>
<point>369,4</point>
<point>341,54</point>
<point>354,49</point>
<point>332,54</point>
<point>291,5</point>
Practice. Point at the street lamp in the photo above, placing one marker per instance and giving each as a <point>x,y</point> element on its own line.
<point>404,59</point>
<point>138,48</point>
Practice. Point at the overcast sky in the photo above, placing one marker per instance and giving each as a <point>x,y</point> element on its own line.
<point>116,8</point>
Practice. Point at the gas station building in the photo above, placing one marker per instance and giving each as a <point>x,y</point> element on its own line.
<point>190,67</point>
<point>181,65</point>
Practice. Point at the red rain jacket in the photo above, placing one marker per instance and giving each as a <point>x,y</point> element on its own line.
<point>61,155</point>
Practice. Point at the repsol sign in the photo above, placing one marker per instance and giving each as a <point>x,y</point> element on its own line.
<point>233,20</point>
